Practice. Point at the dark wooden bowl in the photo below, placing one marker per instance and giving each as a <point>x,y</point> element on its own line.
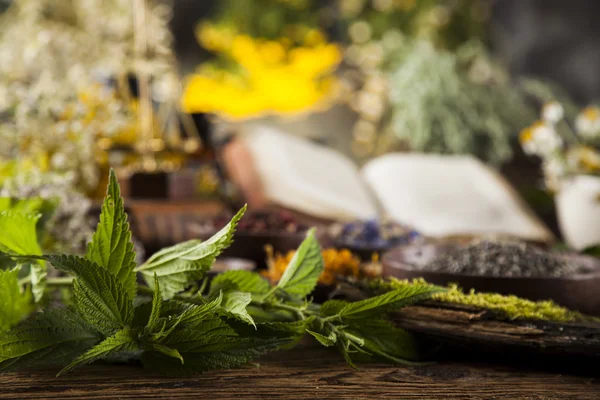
<point>578,292</point>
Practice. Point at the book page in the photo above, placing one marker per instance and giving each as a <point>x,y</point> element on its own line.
<point>304,176</point>
<point>450,195</point>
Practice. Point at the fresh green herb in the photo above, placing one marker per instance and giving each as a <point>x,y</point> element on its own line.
<point>14,303</point>
<point>18,235</point>
<point>111,245</point>
<point>179,266</point>
<point>175,326</point>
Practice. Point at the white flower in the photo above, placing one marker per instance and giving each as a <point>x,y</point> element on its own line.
<point>360,32</point>
<point>587,123</point>
<point>553,112</point>
<point>554,170</point>
<point>540,139</point>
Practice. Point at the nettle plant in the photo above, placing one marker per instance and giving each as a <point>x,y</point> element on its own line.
<point>178,323</point>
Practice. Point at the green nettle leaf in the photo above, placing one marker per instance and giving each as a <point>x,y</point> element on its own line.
<point>385,340</point>
<point>213,345</point>
<point>111,245</point>
<point>324,340</point>
<point>121,341</point>
<point>164,350</point>
<point>14,304</point>
<point>157,302</point>
<point>100,297</point>
<point>235,303</point>
<point>332,307</point>
<point>381,304</point>
<point>53,337</point>
<point>243,281</point>
<point>174,315</point>
<point>302,273</point>
<point>18,235</point>
<point>179,266</point>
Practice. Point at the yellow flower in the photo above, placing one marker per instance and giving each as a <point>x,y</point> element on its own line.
<point>588,122</point>
<point>276,78</point>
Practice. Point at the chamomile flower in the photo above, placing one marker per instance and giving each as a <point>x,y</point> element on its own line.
<point>554,169</point>
<point>553,112</point>
<point>588,123</point>
<point>540,139</point>
<point>584,158</point>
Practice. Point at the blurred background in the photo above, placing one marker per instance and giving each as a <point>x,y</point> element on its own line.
<point>186,100</point>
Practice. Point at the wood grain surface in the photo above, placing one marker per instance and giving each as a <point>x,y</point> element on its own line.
<point>484,330</point>
<point>306,373</point>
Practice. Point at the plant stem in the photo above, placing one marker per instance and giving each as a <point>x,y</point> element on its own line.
<point>58,282</point>
<point>278,306</point>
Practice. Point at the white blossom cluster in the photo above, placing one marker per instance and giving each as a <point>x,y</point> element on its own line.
<point>53,57</point>
<point>564,151</point>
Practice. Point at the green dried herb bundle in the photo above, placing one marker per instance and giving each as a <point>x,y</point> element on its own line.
<point>173,325</point>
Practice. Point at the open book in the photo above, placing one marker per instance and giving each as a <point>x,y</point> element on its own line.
<point>437,195</point>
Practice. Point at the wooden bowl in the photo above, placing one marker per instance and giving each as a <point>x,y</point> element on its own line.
<point>577,292</point>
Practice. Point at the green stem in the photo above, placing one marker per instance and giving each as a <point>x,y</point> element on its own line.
<point>278,306</point>
<point>58,282</point>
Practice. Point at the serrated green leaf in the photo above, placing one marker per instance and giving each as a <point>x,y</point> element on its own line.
<point>53,337</point>
<point>18,235</point>
<point>123,340</point>
<point>167,351</point>
<point>14,304</point>
<point>386,341</point>
<point>177,316</point>
<point>156,306</point>
<point>212,334</point>
<point>243,281</point>
<point>179,266</point>
<point>235,303</point>
<point>302,273</point>
<point>332,307</point>
<point>100,297</point>
<point>111,245</point>
<point>195,314</point>
<point>381,304</point>
<point>240,351</point>
<point>324,340</point>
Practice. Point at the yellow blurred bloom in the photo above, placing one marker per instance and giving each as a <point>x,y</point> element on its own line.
<point>584,158</point>
<point>276,77</point>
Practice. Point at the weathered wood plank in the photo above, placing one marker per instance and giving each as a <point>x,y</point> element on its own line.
<point>305,373</point>
<point>481,329</point>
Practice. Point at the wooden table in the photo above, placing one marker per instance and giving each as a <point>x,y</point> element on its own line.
<point>306,373</point>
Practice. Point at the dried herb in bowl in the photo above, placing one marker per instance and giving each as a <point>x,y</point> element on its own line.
<point>500,259</point>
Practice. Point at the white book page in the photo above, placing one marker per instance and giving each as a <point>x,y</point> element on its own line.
<point>450,195</point>
<point>301,175</point>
